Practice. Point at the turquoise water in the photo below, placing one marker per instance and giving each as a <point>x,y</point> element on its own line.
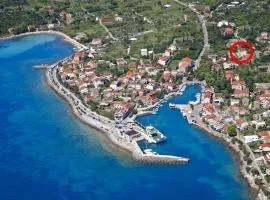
<point>45,153</point>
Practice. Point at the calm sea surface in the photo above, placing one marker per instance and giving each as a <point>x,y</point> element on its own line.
<point>46,154</point>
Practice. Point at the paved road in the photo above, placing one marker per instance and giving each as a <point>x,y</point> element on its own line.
<point>204,28</point>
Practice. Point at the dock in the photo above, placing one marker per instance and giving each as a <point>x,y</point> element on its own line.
<point>40,66</point>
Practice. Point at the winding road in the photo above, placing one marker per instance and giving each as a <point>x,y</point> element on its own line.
<point>205,32</point>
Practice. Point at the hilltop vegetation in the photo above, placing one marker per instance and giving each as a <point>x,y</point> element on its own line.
<point>153,23</point>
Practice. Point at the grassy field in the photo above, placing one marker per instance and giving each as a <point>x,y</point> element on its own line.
<point>153,25</point>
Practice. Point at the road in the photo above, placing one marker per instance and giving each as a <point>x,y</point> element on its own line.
<point>205,32</point>
<point>255,163</point>
<point>107,30</point>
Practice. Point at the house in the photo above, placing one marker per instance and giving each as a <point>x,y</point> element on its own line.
<point>92,63</point>
<point>78,57</point>
<point>185,65</point>
<point>251,138</point>
<point>218,99</point>
<point>241,124</point>
<point>258,124</point>
<point>118,104</point>
<point>237,109</point>
<point>208,109</point>
<point>207,96</point>
<point>264,101</point>
<point>68,73</point>
<point>240,93</point>
<point>166,75</point>
<point>229,75</point>
<point>97,41</point>
<point>69,18</point>
<point>262,37</point>
<point>239,85</point>
<point>228,32</point>
<point>50,26</point>
<point>164,60</point>
<point>234,101</point>
<point>121,61</point>
<point>229,65</point>
<point>222,23</point>
<point>107,19</point>
<point>118,18</point>
<point>242,52</point>
<point>213,58</point>
<point>132,68</point>
<point>144,52</point>
<point>265,135</point>
<point>265,147</point>
<point>245,101</point>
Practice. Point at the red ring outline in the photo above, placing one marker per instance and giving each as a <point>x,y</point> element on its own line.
<point>251,52</point>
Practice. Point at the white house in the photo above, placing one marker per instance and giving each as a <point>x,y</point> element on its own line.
<point>258,124</point>
<point>144,52</point>
<point>251,138</point>
<point>223,23</point>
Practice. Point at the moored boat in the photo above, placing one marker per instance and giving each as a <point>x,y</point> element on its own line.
<point>155,134</point>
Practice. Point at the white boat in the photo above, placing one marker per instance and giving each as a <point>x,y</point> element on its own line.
<point>155,134</point>
<point>150,152</point>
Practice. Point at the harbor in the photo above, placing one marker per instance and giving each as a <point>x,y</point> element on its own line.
<point>124,135</point>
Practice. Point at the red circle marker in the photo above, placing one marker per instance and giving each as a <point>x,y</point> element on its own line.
<point>251,52</point>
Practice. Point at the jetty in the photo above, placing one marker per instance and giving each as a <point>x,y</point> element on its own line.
<point>40,66</point>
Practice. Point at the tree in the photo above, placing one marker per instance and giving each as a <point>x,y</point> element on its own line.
<point>232,130</point>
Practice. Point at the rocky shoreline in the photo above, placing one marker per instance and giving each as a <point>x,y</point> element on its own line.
<point>255,189</point>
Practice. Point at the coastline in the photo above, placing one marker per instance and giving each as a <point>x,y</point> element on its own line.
<point>106,126</point>
<point>256,191</point>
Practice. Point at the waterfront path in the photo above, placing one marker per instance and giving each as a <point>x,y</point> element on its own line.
<point>205,32</point>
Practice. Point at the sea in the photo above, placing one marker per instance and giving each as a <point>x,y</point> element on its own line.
<point>46,153</point>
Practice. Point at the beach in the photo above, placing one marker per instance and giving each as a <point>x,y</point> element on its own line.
<point>78,45</point>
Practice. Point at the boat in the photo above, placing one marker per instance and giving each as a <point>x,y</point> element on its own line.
<point>155,134</point>
<point>150,152</point>
<point>172,105</point>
